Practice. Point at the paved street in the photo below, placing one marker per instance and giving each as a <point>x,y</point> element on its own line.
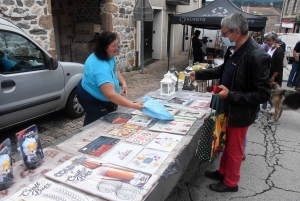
<point>270,171</point>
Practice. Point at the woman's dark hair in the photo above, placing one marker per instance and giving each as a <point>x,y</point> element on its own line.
<point>102,43</point>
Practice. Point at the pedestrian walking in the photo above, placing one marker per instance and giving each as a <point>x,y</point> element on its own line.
<point>99,92</point>
<point>276,71</point>
<point>245,84</point>
<point>295,66</point>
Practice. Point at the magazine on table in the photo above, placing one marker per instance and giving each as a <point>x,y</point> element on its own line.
<point>176,127</point>
<point>102,179</point>
<point>148,160</point>
<point>122,153</point>
<point>142,137</point>
<point>165,142</point>
<point>140,120</point>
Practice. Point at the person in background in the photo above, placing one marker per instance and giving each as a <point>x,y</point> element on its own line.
<point>283,46</point>
<point>197,44</point>
<point>265,45</point>
<point>204,44</point>
<point>295,67</point>
<point>245,85</point>
<point>276,71</point>
<point>99,92</point>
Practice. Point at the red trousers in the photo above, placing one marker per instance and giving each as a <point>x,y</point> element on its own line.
<point>232,157</point>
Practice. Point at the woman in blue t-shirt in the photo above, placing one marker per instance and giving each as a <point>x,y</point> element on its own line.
<point>99,92</point>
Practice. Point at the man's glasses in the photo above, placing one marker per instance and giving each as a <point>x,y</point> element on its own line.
<point>225,33</point>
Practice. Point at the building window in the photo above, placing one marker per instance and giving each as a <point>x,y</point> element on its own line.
<point>287,7</point>
<point>295,6</point>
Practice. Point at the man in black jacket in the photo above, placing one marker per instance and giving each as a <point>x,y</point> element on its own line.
<point>244,80</point>
<point>197,51</point>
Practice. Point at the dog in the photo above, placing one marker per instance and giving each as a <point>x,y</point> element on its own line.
<point>283,99</point>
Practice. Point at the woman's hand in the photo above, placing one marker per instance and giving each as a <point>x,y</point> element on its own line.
<point>138,105</point>
<point>124,90</point>
<point>224,93</point>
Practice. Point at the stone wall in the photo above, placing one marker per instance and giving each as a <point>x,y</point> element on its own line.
<point>69,12</point>
<point>34,17</point>
<point>117,16</point>
<point>272,20</point>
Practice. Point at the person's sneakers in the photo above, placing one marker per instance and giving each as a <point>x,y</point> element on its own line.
<point>221,187</point>
<point>213,175</point>
<point>289,85</point>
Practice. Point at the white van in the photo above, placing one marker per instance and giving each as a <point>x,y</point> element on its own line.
<point>290,39</point>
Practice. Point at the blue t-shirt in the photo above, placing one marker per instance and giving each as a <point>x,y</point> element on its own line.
<point>98,72</point>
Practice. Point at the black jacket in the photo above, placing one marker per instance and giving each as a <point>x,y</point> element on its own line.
<point>250,84</point>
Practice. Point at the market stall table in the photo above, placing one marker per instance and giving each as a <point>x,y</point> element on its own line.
<point>168,173</point>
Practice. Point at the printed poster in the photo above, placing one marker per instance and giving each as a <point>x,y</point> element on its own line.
<point>142,137</point>
<point>196,114</point>
<point>179,101</point>
<point>102,179</point>
<point>140,120</point>
<point>47,190</point>
<point>200,104</point>
<point>121,132</point>
<point>148,160</point>
<point>165,142</point>
<point>176,127</point>
<point>122,154</point>
<point>99,146</point>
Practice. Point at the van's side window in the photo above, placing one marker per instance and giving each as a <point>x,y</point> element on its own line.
<point>18,54</point>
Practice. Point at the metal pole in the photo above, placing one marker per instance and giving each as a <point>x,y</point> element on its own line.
<point>142,34</point>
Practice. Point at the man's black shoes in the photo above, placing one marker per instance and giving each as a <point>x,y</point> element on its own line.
<point>221,187</point>
<point>214,175</point>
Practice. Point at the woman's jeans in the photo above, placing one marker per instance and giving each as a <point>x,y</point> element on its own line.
<point>293,74</point>
<point>94,108</point>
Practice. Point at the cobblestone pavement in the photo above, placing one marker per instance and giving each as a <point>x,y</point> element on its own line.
<point>55,128</point>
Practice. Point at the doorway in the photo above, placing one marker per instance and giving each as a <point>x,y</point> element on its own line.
<point>148,29</point>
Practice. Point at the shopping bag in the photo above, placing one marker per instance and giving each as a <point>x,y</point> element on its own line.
<point>156,110</point>
<point>204,148</point>
<point>219,136</point>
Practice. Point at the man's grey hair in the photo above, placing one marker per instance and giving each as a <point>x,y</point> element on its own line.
<point>272,36</point>
<point>236,21</point>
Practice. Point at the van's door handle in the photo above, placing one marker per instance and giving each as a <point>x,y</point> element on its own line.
<point>7,83</point>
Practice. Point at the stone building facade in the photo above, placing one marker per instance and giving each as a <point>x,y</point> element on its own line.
<point>52,24</point>
<point>34,17</point>
<point>290,16</point>
<point>272,14</point>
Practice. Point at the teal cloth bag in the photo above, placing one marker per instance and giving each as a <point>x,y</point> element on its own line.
<point>156,110</point>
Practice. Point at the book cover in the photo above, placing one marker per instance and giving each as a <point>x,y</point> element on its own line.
<point>99,146</point>
<point>179,101</point>
<point>200,104</point>
<point>140,120</point>
<point>132,126</point>
<point>102,179</point>
<point>142,137</point>
<point>122,154</point>
<point>180,125</point>
<point>148,160</point>
<point>121,132</point>
<point>47,190</point>
<point>196,114</point>
<point>164,142</point>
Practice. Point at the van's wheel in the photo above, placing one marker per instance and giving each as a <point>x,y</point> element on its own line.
<point>73,108</point>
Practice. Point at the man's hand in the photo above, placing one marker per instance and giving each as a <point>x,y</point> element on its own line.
<point>224,93</point>
<point>192,75</point>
